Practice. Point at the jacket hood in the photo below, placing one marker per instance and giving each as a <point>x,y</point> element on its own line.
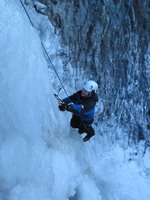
<point>94,96</point>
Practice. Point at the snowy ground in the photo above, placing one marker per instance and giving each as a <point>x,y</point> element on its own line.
<point>41,157</point>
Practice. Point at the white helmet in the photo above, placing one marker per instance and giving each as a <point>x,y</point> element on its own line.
<point>90,86</point>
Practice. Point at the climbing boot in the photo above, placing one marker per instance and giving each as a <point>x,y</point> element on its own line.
<point>87,137</point>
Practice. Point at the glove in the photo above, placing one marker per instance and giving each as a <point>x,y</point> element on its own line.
<point>69,108</point>
<point>62,106</point>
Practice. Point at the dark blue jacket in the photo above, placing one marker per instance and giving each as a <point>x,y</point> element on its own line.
<point>82,107</point>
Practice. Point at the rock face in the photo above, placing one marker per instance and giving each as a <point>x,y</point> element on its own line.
<point>111,41</point>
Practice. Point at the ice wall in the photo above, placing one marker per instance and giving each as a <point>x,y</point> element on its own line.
<point>109,41</point>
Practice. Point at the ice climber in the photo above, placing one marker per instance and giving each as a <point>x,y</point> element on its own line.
<point>82,105</point>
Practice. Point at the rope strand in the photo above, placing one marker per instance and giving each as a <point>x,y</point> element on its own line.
<point>44,49</point>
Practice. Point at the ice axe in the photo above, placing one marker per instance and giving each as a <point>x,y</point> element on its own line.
<point>58,98</point>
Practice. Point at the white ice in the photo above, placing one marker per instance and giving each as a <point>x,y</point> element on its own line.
<point>41,157</point>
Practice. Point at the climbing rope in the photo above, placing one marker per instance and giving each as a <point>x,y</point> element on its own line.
<point>44,49</point>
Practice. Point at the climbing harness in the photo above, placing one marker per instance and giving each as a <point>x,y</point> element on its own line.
<point>44,49</point>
